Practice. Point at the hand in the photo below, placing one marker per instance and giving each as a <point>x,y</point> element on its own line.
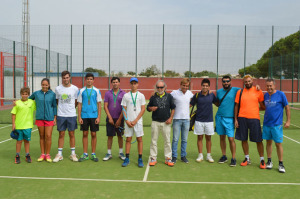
<point>54,122</point>
<point>118,123</point>
<point>111,121</point>
<point>80,120</point>
<point>257,87</point>
<point>169,121</point>
<point>13,126</point>
<point>236,123</point>
<point>287,124</point>
<point>133,123</point>
<point>97,121</point>
<point>129,124</point>
<point>153,108</point>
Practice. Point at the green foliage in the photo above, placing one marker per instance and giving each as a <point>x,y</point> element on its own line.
<point>200,74</point>
<point>171,73</point>
<point>131,73</point>
<point>251,70</point>
<point>187,74</point>
<point>150,71</point>
<point>10,73</point>
<point>100,72</point>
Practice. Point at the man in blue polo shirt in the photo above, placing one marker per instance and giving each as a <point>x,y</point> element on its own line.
<point>225,118</point>
<point>275,102</point>
<point>204,118</point>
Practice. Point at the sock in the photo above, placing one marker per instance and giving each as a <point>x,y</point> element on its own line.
<point>73,151</point>
<point>201,154</point>
<point>93,153</point>
<point>140,155</point>
<point>60,151</point>
<point>208,154</point>
<point>127,155</point>
<point>247,156</point>
<point>120,150</point>
<point>269,160</point>
<point>27,154</point>
<point>280,162</point>
<point>109,151</point>
<point>262,158</point>
<point>17,154</point>
<point>86,154</point>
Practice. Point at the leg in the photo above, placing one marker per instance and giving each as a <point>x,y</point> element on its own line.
<point>208,143</point>
<point>184,137</point>
<point>176,133</point>
<point>85,140</point>
<point>18,146</point>
<point>120,141</point>
<point>94,141</point>
<point>269,148</point>
<point>154,138</point>
<point>232,146</point>
<point>245,147</point>
<point>26,146</point>
<point>61,139</point>
<point>167,143</point>
<point>42,138</point>
<point>128,144</point>
<point>260,149</point>
<point>72,139</point>
<point>48,138</point>
<point>279,151</point>
<point>222,144</point>
<point>140,145</point>
<point>109,142</point>
<point>199,143</point>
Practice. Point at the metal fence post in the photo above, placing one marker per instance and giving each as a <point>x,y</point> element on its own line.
<point>49,57</point>
<point>280,70</point>
<point>71,62</point>
<point>163,52</point>
<point>190,61</point>
<point>218,37</point>
<point>293,62</point>
<point>82,55</point>
<point>46,63</point>
<point>270,69</point>
<point>245,48</point>
<point>136,50</point>
<point>32,84</point>
<point>57,68</point>
<point>109,38</point>
<point>14,64</point>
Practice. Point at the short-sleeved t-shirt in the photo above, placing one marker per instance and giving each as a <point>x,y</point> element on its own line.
<point>128,102</point>
<point>249,107</point>
<point>89,110</point>
<point>24,111</point>
<point>182,103</point>
<point>274,108</point>
<point>116,110</point>
<point>226,109</point>
<point>204,106</point>
<point>66,100</point>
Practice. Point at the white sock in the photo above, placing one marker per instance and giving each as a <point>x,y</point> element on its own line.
<point>247,156</point>
<point>201,154</point>
<point>60,151</point>
<point>73,151</point>
<point>208,154</point>
<point>120,150</point>
<point>262,158</point>
<point>109,151</point>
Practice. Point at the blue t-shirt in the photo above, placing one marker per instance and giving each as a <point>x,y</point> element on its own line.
<point>227,106</point>
<point>89,110</point>
<point>204,107</point>
<point>274,108</point>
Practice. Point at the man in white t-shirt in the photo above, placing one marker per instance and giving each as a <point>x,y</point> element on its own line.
<point>181,119</point>
<point>66,97</point>
<point>133,104</point>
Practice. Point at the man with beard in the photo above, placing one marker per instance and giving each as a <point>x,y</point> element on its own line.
<point>162,107</point>
<point>246,116</point>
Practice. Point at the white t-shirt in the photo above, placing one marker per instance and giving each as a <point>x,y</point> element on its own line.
<point>128,102</point>
<point>66,100</point>
<point>182,102</point>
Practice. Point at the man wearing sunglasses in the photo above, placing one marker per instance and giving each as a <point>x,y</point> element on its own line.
<point>162,107</point>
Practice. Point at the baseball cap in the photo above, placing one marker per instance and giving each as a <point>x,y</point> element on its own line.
<point>134,79</point>
<point>14,135</point>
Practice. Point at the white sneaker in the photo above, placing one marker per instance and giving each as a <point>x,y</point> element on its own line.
<point>200,158</point>
<point>281,169</point>
<point>74,158</point>
<point>269,165</point>
<point>210,159</point>
<point>58,158</point>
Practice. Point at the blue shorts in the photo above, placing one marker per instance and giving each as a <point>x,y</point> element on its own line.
<point>246,124</point>
<point>225,126</point>
<point>24,134</point>
<point>66,122</point>
<point>273,133</point>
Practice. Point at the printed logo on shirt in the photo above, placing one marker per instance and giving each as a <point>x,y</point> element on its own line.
<point>65,98</point>
<point>161,102</point>
<point>270,103</point>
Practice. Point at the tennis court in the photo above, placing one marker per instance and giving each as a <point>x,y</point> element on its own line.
<point>108,179</point>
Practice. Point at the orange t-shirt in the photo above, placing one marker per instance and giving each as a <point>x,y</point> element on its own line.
<point>249,107</point>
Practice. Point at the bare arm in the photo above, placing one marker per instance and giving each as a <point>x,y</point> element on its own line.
<point>143,108</point>
<point>262,106</point>
<point>110,120</point>
<point>125,116</point>
<point>13,118</point>
<point>288,116</point>
<point>79,113</point>
<point>97,121</point>
<point>236,108</point>
<point>169,121</point>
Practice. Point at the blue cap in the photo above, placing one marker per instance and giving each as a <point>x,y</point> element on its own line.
<point>14,135</point>
<point>134,79</point>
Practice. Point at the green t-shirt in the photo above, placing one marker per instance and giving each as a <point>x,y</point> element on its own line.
<point>24,111</point>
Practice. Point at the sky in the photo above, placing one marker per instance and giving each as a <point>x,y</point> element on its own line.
<point>200,12</point>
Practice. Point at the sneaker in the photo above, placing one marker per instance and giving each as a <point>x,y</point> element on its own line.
<point>200,158</point>
<point>28,158</point>
<point>58,158</point>
<point>174,159</point>
<point>107,157</point>
<point>183,159</point>
<point>153,162</point>
<point>48,158</point>
<point>169,162</point>
<point>210,159</point>
<point>94,158</point>
<point>41,158</point>
<point>140,163</point>
<point>83,158</point>
<point>269,165</point>
<point>73,157</point>
<point>223,159</point>
<point>126,162</point>
<point>233,162</point>
<point>122,156</point>
<point>17,159</point>
<point>262,164</point>
<point>245,162</point>
<point>281,169</point>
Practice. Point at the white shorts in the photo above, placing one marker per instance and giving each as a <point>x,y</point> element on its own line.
<point>206,128</point>
<point>137,130</point>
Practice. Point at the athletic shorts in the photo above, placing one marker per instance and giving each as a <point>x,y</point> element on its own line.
<point>111,130</point>
<point>202,128</point>
<point>89,122</point>
<point>137,130</point>
<point>273,133</point>
<point>24,134</point>
<point>44,123</point>
<point>66,122</point>
<point>253,125</point>
<point>225,126</point>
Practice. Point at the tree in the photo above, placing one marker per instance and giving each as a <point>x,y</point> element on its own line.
<point>251,70</point>
<point>171,73</point>
<point>187,74</point>
<point>150,71</point>
<point>100,72</point>
<point>131,73</point>
<point>205,73</point>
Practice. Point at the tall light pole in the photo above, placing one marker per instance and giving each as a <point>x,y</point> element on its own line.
<point>26,39</point>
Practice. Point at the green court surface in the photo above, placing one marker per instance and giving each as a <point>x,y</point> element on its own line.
<point>108,179</point>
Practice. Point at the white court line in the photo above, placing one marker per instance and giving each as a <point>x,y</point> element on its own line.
<point>5,126</point>
<point>291,139</point>
<point>147,171</point>
<point>11,138</point>
<point>139,181</point>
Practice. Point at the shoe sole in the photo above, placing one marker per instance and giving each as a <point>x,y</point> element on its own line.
<point>184,162</point>
<point>281,171</point>
<point>199,160</point>
<point>125,165</point>
<point>210,161</point>
<point>58,160</point>
<point>233,165</point>
<point>107,159</point>
<point>269,167</point>
<point>222,162</point>
<point>169,165</point>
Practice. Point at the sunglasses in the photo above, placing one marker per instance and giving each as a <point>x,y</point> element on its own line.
<point>160,87</point>
<point>226,81</point>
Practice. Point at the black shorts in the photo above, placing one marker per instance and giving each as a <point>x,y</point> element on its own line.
<point>255,130</point>
<point>111,130</point>
<point>89,122</point>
